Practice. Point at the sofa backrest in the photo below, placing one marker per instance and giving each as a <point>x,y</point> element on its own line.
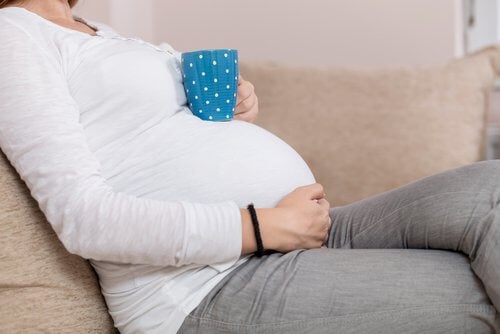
<point>363,132</point>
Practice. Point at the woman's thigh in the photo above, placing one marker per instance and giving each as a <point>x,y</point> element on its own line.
<point>448,210</point>
<point>347,291</point>
<point>455,210</point>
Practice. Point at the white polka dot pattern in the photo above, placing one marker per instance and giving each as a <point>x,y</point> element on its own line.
<point>211,83</point>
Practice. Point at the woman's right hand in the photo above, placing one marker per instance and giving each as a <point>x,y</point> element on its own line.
<point>300,221</point>
<point>304,221</point>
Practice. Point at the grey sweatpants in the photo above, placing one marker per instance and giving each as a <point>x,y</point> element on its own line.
<point>422,258</point>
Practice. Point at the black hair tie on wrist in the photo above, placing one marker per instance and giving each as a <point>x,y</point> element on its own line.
<point>256,229</point>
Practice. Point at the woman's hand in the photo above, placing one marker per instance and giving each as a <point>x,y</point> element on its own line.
<point>307,222</point>
<point>301,220</point>
<point>247,103</point>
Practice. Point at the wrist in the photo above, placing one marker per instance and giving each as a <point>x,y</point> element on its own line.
<point>269,222</point>
<point>256,229</point>
<point>249,244</point>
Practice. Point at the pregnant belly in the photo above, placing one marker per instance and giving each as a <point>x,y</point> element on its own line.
<point>184,158</point>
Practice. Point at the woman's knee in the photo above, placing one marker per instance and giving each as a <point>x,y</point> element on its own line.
<point>488,168</point>
<point>483,175</point>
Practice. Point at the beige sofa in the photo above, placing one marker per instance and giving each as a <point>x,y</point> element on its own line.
<point>362,132</point>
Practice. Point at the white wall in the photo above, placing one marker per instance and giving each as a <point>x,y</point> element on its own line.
<point>129,17</point>
<point>341,32</point>
<point>363,33</point>
<point>97,10</point>
<point>133,17</point>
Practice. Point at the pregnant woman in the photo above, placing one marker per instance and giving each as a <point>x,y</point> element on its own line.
<point>97,126</point>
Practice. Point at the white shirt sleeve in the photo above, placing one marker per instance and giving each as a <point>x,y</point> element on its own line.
<point>42,137</point>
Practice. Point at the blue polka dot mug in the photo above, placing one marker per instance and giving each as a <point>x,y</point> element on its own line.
<point>211,83</point>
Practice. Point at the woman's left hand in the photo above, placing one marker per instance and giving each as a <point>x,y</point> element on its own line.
<point>247,103</point>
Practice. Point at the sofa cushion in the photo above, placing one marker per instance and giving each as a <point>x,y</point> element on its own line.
<point>366,131</point>
<point>43,288</point>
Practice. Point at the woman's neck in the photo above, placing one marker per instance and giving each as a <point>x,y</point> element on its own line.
<point>57,11</point>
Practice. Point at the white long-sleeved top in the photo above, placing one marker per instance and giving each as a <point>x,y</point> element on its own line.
<point>98,128</point>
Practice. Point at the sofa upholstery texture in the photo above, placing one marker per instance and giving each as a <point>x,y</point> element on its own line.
<point>361,132</point>
<point>367,131</point>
